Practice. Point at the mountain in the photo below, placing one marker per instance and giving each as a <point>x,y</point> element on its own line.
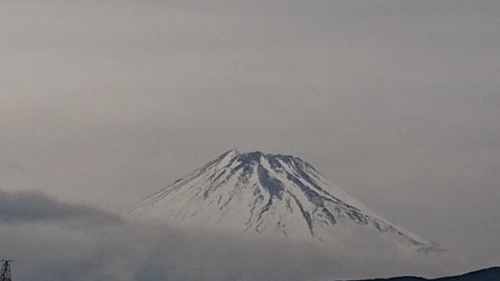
<point>489,274</point>
<point>275,195</point>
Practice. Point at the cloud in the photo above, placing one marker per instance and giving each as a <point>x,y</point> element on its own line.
<point>41,237</point>
<point>30,206</point>
<point>146,252</point>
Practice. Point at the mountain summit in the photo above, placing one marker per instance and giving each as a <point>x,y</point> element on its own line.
<point>276,195</point>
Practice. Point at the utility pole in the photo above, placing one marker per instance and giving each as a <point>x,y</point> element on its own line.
<point>6,274</point>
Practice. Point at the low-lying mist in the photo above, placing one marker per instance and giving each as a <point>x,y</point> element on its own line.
<point>52,240</point>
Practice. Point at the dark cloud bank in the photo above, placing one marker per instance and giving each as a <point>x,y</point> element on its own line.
<point>37,207</point>
<point>52,240</point>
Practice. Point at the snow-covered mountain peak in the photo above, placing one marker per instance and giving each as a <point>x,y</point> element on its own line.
<point>272,194</point>
<point>258,157</point>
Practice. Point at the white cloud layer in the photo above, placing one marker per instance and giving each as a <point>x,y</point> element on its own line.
<point>83,243</point>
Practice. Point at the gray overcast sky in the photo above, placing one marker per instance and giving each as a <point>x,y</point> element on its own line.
<point>397,102</point>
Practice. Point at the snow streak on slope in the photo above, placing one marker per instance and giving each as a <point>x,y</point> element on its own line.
<point>267,194</point>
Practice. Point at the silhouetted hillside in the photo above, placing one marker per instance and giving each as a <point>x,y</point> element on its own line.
<point>490,274</point>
